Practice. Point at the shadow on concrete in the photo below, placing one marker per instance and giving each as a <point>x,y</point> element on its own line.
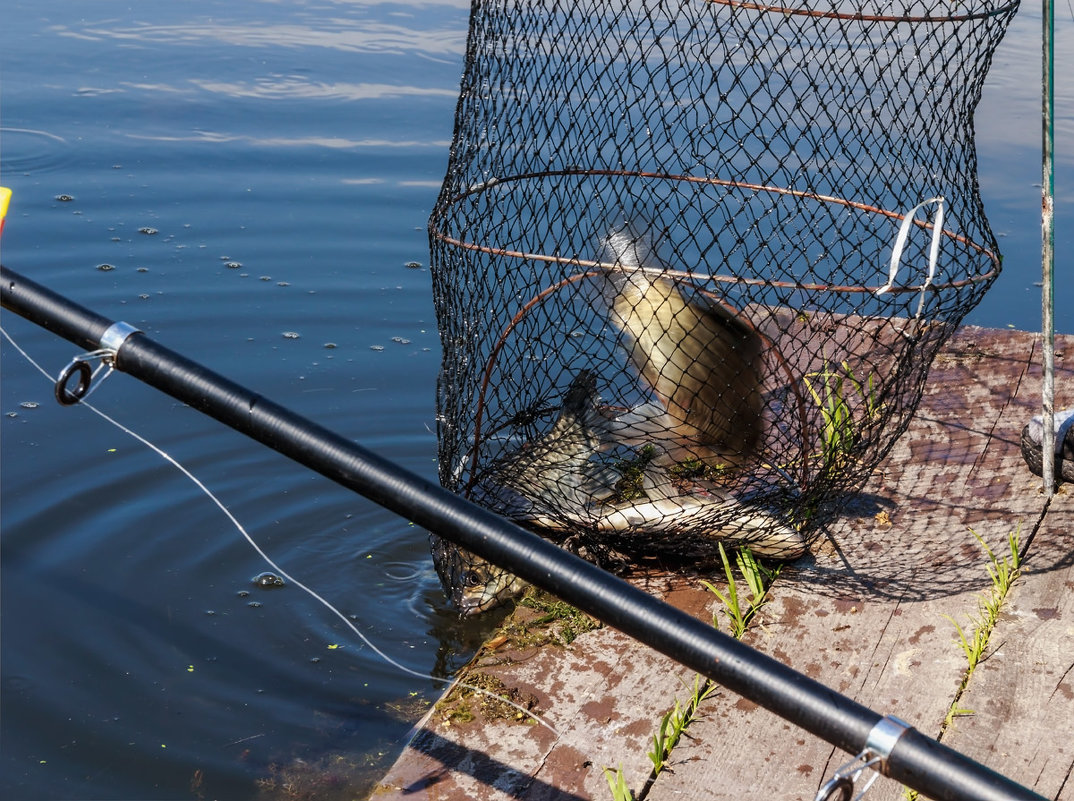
<point>456,760</point>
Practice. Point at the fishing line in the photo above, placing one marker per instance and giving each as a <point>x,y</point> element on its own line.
<point>268,560</point>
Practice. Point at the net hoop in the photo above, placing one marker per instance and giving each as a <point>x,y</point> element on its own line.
<point>437,233</point>
<point>858,16</point>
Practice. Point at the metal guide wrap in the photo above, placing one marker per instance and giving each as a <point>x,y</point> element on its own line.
<point>692,261</point>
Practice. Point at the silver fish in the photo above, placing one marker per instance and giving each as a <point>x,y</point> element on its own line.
<point>546,477</point>
<point>699,360</point>
<point>555,474</point>
<point>558,484</point>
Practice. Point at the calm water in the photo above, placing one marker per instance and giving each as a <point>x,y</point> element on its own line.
<point>283,159</point>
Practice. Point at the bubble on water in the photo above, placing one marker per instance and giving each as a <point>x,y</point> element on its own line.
<point>291,335</point>
<point>105,268</point>
<point>268,581</point>
<point>29,404</point>
<point>117,239</point>
<point>413,265</point>
<point>401,340</point>
<point>233,265</point>
<point>376,347</point>
<point>12,414</point>
<point>330,345</point>
<point>148,231</point>
<point>64,198</point>
<point>283,283</point>
<point>266,277</point>
<point>143,296</point>
<point>143,269</point>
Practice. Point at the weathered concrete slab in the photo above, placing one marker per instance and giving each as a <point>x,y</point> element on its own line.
<point>1022,694</point>
<point>600,693</point>
<point>866,614</point>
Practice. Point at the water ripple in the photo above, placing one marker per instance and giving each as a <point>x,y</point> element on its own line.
<point>29,150</point>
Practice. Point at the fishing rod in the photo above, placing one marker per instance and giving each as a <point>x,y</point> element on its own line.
<point>882,742</point>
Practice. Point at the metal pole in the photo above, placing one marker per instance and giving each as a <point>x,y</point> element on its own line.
<point>916,760</point>
<point>1047,208</point>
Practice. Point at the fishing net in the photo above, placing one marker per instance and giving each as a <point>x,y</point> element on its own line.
<point>692,260</point>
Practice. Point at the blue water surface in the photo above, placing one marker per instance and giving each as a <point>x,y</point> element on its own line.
<point>249,183</point>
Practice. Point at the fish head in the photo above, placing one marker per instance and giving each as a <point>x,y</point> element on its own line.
<point>485,586</point>
<point>629,246</point>
<point>474,584</point>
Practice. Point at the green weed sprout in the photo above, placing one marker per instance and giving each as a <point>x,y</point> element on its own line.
<point>1003,573</point>
<point>838,393</point>
<point>674,722</point>
<point>974,639</point>
<point>617,784</point>
<point>758,579</point>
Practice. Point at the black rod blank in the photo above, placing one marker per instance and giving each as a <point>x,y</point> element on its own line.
<point>916,760</point>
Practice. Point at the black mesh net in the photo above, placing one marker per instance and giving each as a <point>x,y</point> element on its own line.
<point>692,261</point>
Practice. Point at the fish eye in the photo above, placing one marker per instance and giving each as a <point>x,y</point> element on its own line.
<point>473,578</point>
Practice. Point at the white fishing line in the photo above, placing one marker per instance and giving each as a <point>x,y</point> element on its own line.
<point>268,560</point>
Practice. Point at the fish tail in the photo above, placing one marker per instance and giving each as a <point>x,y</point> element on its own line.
<point>764,534</point>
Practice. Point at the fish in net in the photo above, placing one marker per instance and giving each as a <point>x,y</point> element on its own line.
<point>690,277</point>
<point>655,478</point>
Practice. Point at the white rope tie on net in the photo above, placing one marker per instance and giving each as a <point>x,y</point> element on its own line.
<point>900,245</point>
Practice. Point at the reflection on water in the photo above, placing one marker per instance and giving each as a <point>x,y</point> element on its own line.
<point>442,44</point>
<point>341,143</point>
<point>287,156</point>
<point>295,86</point>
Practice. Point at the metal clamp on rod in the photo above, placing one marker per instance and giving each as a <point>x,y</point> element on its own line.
<point>110,343</point>
<point>115,335</point>
<point>883,738</point>
<point>878,747</point>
